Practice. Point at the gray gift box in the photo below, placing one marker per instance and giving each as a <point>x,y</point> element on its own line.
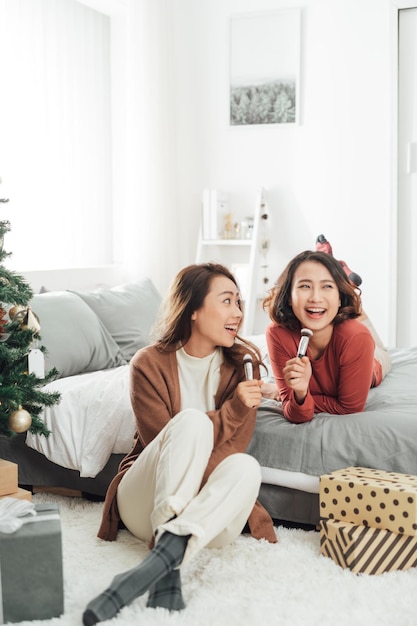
<point>31,576</point>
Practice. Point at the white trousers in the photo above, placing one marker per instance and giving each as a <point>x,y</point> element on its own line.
<point>381,353</point>
<point>161,491</point>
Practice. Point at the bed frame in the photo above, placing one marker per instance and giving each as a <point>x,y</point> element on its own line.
<point>35,471</point>
<point>290,505</point>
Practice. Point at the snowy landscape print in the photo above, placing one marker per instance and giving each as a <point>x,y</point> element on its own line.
<point>264,68</point>
<point>267,103</point>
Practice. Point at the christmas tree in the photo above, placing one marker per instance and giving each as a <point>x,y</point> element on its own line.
<point>22,397</point>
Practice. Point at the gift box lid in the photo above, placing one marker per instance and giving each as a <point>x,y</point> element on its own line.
<point>363,475</point>
<point>20,517</point>
<point>370,497</point>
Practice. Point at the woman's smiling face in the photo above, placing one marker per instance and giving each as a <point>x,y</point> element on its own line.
<point>217,322</point>
<point>315,298</point>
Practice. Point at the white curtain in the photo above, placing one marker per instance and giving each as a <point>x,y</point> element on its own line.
<point>151,227</point>
<point>87,134</point>
<point>55,133</point>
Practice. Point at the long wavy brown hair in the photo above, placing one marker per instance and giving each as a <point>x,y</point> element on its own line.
<point>186,295</point>
<point>278,301</point>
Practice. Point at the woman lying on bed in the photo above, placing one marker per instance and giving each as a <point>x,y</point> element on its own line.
<point>345,356</point>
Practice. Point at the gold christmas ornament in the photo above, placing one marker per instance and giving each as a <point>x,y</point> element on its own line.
<point>3,336</point>
<point>20,420</point>
<point>27,319</point>
<point>14,310</point>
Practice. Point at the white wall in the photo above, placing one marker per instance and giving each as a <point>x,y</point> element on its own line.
<point>407,178</point>
<point>332,173</point>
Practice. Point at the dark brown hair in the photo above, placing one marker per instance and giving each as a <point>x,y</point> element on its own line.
<point>278,301</point>
<point>186,295</point>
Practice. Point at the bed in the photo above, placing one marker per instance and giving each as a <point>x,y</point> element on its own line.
<point>86,445</point>
<point>294,456</point>
<point>92,427</point>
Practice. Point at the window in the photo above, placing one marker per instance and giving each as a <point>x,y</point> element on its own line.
<point>55,134</point>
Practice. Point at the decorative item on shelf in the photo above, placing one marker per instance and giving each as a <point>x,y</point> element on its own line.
<point>238,247</point>
<point>250,222</point>
<point>244,227</point>
<point>264,266</point>
<point>264,206</point>
<point>228,226</point>
<point>264,240</point>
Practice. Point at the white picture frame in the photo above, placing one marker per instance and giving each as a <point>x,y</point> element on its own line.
<point>265,68</point>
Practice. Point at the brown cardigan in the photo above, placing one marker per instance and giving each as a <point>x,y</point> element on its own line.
<point>155,397</point>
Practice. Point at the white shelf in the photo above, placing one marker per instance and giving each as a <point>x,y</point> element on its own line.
<point>245,251</point>
<point>226,242</point>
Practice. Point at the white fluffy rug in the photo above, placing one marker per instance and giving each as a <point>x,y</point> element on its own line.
<point>250,583</point>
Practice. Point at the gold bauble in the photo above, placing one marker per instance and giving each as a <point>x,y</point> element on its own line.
<point>16,309</point>
<point>28,320</point>
<point>20,420</point>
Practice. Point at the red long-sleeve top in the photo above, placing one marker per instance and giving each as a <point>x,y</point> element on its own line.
<point>341,377</point>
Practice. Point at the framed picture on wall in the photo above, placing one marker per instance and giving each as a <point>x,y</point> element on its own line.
<point>265,68</point>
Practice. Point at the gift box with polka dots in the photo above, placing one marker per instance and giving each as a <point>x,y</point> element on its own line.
<point>371,498</point>
<point>369,519</point>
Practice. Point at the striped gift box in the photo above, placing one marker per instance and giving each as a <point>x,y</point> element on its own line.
<point>366,550</point>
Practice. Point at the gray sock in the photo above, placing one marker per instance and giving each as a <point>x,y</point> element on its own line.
<point>165,556</point>
<point>166,593</point>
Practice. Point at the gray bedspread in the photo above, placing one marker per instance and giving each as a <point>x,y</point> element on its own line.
<point>384,436</point>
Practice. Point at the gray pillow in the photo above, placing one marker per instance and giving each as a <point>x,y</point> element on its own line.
<point>128,312</point>
<point>75,338</point>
